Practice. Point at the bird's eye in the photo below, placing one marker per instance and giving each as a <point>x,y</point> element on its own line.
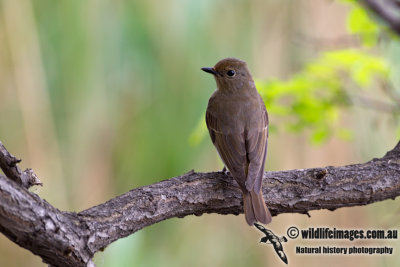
<point>231,73</point>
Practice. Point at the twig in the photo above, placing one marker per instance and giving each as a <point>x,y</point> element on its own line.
<point>375,104</point>
<point>390,91</point>
<point>388,10</point>
<point>8,163</point>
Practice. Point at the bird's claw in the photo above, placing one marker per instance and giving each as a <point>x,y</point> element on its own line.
<point>225,171</point>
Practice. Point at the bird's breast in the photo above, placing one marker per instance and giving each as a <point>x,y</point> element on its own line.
<point>236,114</point>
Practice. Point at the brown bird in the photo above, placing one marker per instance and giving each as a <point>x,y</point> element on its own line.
<point>237,121</point>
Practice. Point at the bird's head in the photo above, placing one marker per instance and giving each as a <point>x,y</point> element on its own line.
<point>231,74</point>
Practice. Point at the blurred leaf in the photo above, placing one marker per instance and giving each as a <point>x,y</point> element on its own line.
<point>360,23</point>
<point>319,135</point>
<point>313,97</point>
<point>361,66</point>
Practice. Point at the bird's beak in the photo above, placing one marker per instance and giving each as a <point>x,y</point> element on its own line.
<point>210,70</point>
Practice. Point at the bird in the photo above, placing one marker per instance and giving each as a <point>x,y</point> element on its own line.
<point>237,121</point>
<point>274,240</point>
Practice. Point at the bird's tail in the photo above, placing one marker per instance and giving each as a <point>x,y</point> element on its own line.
<point>255,209</point>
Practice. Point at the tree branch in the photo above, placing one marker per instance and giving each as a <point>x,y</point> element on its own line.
<point>8,164</point>
<point>70,239</point>
<point>26,219</point>
<point>388,10</point>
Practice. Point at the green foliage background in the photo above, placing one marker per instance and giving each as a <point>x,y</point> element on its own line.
<point>99,97</point>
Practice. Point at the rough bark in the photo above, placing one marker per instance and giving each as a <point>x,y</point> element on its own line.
<point>59,238</point>
<point>9,166</point>
<point>71,239</point>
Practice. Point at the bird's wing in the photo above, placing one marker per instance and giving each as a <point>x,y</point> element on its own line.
<point>231,148</point>
<point>256,148</point>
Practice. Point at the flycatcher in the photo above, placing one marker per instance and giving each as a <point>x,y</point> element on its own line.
<point>237,121</point>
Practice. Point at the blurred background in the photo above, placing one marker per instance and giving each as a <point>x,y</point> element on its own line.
<point>100,97</point>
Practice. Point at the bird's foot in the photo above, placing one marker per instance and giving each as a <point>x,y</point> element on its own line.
<point>225,171</point>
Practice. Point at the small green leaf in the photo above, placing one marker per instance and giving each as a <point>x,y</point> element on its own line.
<point>319,135</point>
<point>360,23</point>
